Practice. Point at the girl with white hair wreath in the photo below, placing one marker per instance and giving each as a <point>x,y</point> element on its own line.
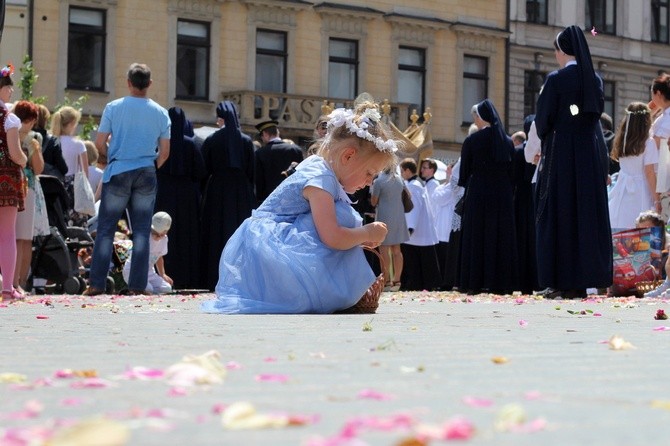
<point>635,149</point>
<point>300,251</point>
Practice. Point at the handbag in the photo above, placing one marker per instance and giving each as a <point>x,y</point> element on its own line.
<point>41,221</point>
<point>407,200</point>
<point>84,200</point>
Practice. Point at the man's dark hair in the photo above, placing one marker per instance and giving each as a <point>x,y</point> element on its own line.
<point>606,122</point>
<point>139,75</point>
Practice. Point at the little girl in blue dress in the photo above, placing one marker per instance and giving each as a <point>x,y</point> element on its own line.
<point>300,251</point>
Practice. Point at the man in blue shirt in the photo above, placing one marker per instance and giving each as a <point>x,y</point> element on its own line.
<point>138,130</point>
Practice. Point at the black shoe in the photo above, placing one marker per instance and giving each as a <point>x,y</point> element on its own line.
<point>550,293</point>
<point>574,294</point>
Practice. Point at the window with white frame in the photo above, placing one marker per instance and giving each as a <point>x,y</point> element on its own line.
<point>475,84</point>
<point>601,15</point>
<point>193,44</point>
<point>342,68</point>
<point>412,77</point>
<point>87,35</point>
<point>271,60</point>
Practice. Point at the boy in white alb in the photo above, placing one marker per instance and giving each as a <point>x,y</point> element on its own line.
<point>158,282</point>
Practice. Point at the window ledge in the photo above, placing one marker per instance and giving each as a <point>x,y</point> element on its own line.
<point>87,91</point>
<point>194,101</point>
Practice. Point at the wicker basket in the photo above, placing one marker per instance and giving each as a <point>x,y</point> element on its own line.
<point>646,286</point>
<point>370,300</point>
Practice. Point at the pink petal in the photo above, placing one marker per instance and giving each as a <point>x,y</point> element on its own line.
<point>530,427</point>
<point>597,314</point>
<point>661,328</point>
<point>520,300</point>
<point>41,316</point>
<point>374,395</point>
<point>218,408</point>
<point>458,429</point>
<point>272,377</point>
<point>64,373</point>
<point>232,365</point>
<point>69,402</point>
<point>143,373</point>
<point>270,359</point>
<point>477,402</point>
<point>177,391</point>
<point>533,395</point>
<point>594,32</point>
<point>523,323</point>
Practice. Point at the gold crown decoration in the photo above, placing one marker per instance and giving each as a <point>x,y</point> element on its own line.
<point>427,115</point>
<point>414,117</point>
<point>327,107</point>
<point>386,108</point>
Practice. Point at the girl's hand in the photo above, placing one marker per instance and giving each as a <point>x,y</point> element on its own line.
<point>376,233</point>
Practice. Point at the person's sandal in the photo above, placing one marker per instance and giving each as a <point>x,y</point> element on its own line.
<point>12,295</point>
<point>91,291</point>
<point>388,285</point>
<point>395,286</point>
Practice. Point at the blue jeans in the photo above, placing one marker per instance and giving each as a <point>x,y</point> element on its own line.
<point>135,190</point>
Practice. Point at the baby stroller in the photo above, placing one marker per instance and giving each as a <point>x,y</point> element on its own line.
<point>55,256</point>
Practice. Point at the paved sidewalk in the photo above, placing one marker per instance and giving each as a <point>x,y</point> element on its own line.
<point>492,370</point>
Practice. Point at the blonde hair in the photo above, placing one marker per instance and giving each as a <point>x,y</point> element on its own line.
<point>91,152</point>
<point>339,138</point>
<point>62,118</point>
<point>43,116</point>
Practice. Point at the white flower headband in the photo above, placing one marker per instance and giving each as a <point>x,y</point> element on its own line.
<point>346,117</point>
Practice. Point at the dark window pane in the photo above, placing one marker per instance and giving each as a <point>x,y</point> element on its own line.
<point>192,60</point>
<point>86,49</point>
<point>270,73</point>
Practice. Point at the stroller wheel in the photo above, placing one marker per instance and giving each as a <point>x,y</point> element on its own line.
<point>111,286</point>
<point>82,285</point>
<point>71,285</point>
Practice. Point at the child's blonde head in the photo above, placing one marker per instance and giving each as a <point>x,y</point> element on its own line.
<point>63,118</point>
<point>91,152</point>
<point>361,129</point>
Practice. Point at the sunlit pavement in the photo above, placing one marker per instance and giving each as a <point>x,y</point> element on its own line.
<point>428,368</point>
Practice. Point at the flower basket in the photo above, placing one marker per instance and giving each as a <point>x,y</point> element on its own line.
<point>370,300</point>
<point>646,286</point>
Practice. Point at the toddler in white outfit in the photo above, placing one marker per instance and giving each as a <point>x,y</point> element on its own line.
<point>158,282</point>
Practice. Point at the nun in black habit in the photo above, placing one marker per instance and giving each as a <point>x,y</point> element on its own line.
<point>229,193</point>
<point>574,245</point>
<point>488,241</point>
<point>178,194</point>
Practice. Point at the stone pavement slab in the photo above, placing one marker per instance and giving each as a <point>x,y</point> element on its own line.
<point>517,370</point>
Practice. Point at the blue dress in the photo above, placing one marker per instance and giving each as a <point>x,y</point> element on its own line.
<point>276,263</point>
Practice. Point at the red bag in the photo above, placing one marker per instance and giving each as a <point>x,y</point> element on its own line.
<point>637,254</point>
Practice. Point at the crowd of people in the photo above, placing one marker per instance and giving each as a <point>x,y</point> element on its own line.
<point>274,228</point>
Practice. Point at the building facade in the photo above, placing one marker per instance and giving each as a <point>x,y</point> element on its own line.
<point>629,48</point>
<point>278,59</point>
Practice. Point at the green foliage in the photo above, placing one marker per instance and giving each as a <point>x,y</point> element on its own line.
<point>28,79</point>
<point>27,83</point>
<point>88,124</point>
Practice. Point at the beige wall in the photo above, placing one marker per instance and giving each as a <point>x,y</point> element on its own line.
<point>145,31</point>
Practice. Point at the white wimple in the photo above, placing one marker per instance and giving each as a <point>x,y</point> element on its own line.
<point>344,116</point>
